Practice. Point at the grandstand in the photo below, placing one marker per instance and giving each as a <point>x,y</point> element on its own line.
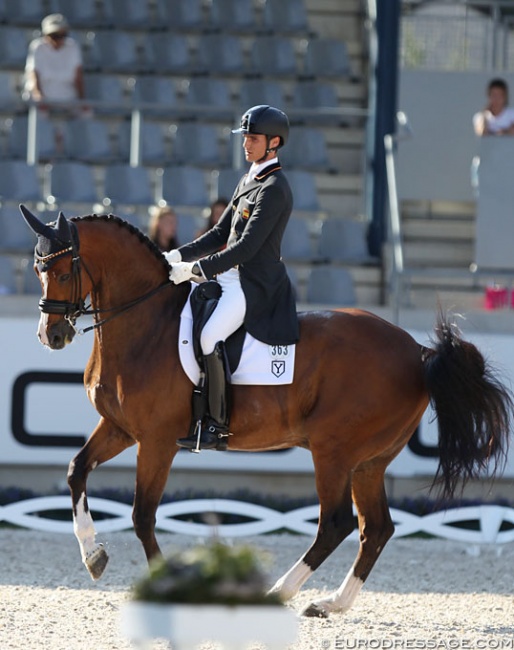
<point>167,81</point>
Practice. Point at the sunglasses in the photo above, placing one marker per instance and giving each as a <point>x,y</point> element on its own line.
<point>57,36</point>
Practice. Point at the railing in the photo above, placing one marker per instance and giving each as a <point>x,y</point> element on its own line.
<point>481,524</point>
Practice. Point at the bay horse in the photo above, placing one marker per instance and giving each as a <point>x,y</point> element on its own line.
<point>361,386</point>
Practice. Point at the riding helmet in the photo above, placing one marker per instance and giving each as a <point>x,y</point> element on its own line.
<point>265,120</point>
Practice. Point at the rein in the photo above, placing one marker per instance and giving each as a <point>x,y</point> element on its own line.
<point>76,307</point>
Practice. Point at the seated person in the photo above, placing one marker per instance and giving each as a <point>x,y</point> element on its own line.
<point>497,118</point>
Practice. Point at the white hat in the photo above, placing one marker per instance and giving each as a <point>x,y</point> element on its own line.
<point>54,23</point>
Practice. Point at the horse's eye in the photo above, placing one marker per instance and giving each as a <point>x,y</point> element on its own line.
<point>64,278</point>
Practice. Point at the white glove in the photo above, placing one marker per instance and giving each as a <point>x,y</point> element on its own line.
<point>182,271</point>
<point>173,256</point>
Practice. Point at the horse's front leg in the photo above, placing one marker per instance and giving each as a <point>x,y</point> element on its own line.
<point>106,441</point>
<point>154,460</point>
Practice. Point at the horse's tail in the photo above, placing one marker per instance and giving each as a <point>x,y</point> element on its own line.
<point>473,408</point>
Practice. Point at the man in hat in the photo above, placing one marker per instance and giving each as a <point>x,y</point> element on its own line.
<point>256,289</point>
<point>53,70</point>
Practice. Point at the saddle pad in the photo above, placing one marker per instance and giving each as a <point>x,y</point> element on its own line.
<point>261,364</point>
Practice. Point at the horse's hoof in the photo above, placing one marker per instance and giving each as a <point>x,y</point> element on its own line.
<point>96,562</point>
<point>315,611</point>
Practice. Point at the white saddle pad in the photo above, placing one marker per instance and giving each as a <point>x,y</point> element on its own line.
<point>260,364</point>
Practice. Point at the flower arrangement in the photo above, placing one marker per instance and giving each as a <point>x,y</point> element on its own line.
<point>211,574</point>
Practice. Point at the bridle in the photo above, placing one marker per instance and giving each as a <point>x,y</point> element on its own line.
<point>72,309</point>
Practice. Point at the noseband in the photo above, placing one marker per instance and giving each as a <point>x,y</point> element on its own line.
<point>76,306</point>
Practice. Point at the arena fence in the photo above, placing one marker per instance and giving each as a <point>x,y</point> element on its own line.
<point>475,525</point>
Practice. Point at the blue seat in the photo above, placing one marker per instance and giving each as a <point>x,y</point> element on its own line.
<point>159,91</point>
<point>181,15</point>
<point>327,57</point>
<point>344,240</point>
<point>273,56</point>
<point>80,13</point>
<point>237,16</point>
<point>210,98</point>
<point>107,93</point>
<point>187,227</point>
<point>296,243</point>
<point>220,54</point>
<point>73,182</point>
<point>19,182</point>
<point>25,12</point>
<point>8,280</point>
<point>169,53</point>
<point>153,143</point>
<point>16,235</point>
<point>307,149</point>
<point>125,185</point>
<point>119,52</point>
<point>310,101</point>
<point>225,181</point>
<point>305,193</point>
<point>329,285</point>
<point>128,14</point>
<point>254,92</point>
<point>198,145</point>
<point>285,16</point>
<point>10,92</point>
<point>89,140</point>
<point>185,186</point>
<point>47,145</point>
<point>13,47</point>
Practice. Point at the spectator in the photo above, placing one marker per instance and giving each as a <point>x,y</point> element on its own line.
<point>53,69</point>
<point>162,228</point>
<point>497,118</point>
<point>216,209</point>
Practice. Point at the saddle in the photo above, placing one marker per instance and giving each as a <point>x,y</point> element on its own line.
<point>204,300</point>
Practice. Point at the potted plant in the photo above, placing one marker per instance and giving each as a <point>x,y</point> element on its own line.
<point>208,593</point>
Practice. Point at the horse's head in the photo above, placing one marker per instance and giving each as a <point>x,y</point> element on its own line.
<point>58,266</point>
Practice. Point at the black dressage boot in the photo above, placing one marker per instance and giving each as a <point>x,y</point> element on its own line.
<point>213,433</point>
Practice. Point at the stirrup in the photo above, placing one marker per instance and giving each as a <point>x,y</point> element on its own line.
<point>210,437</point>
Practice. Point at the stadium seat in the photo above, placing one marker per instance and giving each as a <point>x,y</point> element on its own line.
<point>119,52</point>
<point>185,186</point>
<point>47,147</point>
<point>303,186</point>
<point>107,93</point>
<point>157,90</point>
<point>127,14</point>
<point>225,181</point>
<point>198,145</point>
<point>273,56</point>
<point>235,16</point>
<point>13,47</point>
<point>8,280</point>
<point>30,283</point>
<point>72,182</point>
<point>153,143</point>
<point>19,182</point>
<point>89,140</point>
<point>79,13</point>
<point>328,285</point>
<point>285,16</point>
<point>210,98</point>
<point>16,235</point>
<point>310,100</point>
<point>181,15</point>
<point>125,185</point>
<point>261,91</point>
<point>169,53</point>
<point>220,54</point>
<point>25,12</point>
<point>187,227</point>
<point>296,243</point>
<point>10,95</point>
<point>327,57</point>
<point>344,240</point>
<point>306,149</point>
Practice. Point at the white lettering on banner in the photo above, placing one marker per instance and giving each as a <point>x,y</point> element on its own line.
<point>45,415</point>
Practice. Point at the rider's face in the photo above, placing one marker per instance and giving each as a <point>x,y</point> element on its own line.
<point>255,146</point>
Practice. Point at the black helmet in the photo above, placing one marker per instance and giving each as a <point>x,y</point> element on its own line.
<point>265,120</point>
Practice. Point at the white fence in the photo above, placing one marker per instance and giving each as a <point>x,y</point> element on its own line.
<point>484,523</point>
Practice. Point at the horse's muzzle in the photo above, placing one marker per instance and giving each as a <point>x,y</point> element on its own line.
<point>59,335</point>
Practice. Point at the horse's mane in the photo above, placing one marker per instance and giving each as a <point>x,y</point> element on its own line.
<point>121,223</point>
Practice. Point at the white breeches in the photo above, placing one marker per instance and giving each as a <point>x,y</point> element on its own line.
<point>228,315</point>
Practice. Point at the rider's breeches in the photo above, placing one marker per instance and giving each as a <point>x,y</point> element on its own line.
<point>228,315</point>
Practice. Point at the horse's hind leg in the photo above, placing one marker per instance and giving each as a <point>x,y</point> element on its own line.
<point>335,523</point>
<point>105,442</point>
<point>375,528</point>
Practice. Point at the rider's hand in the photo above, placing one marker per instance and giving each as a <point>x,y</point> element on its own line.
<point>183,271</point>
<point>173,256</point>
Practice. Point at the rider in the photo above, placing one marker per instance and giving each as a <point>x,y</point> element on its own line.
<point>256,289</point>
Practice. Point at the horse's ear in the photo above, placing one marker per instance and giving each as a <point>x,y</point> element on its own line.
<point>62,229</point>
<point>35,224</point>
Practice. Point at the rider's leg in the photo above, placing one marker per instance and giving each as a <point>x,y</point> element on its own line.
<point>226,319</point>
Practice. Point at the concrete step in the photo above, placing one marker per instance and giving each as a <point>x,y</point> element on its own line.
<point>438,229</point>
<point>440,253</point>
